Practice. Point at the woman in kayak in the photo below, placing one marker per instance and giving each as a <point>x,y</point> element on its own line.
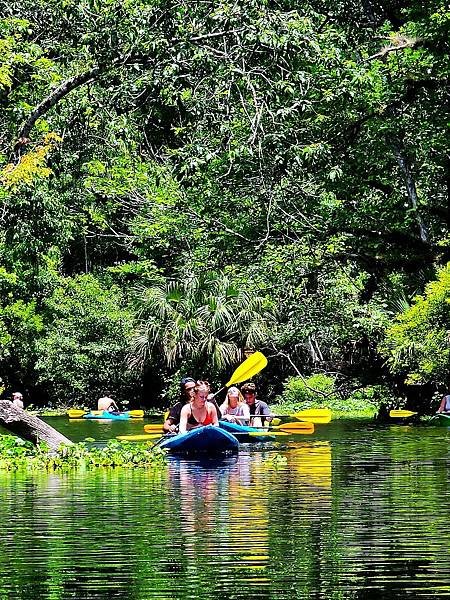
<point>199,411</point>
<point>235,409</point>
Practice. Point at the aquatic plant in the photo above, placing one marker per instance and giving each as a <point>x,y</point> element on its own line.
<point>16,454</point>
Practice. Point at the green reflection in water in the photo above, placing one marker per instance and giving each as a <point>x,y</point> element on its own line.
<point>355,511</point>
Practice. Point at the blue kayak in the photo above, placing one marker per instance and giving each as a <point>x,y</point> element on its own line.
<point>202,440</point>
<point>107,415</point>
<point>242,432</point>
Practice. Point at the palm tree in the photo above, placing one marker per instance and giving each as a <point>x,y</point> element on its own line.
<point>204,319</point>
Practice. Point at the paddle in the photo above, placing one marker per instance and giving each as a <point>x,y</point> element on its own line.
<point>313,415</point>
<point>139,437</point>
<point>250,367</point>
<point>397,413</point>
<point>294,427</point>
<point>153,427</point>
<point>76,413</point>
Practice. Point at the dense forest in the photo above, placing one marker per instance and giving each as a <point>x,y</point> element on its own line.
<point>184,181</point>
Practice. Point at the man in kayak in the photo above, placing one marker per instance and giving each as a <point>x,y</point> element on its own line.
<point>258,408</point>
<point>107,404</point>
<point>445,405</point>
<point>187,386</point>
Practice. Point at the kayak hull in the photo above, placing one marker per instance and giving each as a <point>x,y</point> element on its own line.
<point>443,420</point>
<point>108,416</point>
<point>202,440</point>
<point>242,431</point>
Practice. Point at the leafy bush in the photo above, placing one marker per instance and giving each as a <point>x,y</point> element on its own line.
<point>417,343</point>
<point>319,391</point>
<point>301,393</point>
<point>17,454</point>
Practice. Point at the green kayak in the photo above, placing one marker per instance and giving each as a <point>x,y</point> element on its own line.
<point>441,419</point>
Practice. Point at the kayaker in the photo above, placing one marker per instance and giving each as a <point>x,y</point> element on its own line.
<point>235,409</point>
<point>445,405</point>
<point>199,411</point>
<point>258,408</point>
<point>17,399</point>
<point>187,385</point>
<point>107,404</point>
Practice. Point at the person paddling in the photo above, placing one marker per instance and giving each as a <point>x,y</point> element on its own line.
<point>235,409</point>
<point>258,408</point>
<point>445,405</point>
<point>199,411</point>
<point>187,386</point>
<point>107,404</point>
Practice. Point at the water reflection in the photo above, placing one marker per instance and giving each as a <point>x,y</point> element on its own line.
<point>354,512</point>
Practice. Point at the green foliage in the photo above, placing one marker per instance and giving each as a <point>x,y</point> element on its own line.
<point>83,349</point>
<point>417,343</point>
<point>319,391</point>
<point>202,320</point>
<point>314,391</point>
<point>300,149</point>
<point>17,454</point>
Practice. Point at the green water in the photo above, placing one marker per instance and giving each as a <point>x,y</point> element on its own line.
<point>356,511</point>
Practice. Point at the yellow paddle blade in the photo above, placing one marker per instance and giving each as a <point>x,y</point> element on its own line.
<point>136,413</point>
<point>250,367</point>
<point>143,437</point>
<point>297,427</point>
<point>153,427</point>
<point>401,413</point>
<point>75,413</point>
<point>314,415</point>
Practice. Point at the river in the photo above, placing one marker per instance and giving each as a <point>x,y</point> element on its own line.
<point>355,511</point>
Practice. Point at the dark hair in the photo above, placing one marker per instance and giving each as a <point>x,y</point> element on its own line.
<point>248,387</point>
<point>186,380</point>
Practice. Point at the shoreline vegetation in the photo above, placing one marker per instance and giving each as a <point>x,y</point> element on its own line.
<point>18,454</point>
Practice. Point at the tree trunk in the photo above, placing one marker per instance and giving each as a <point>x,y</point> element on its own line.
<point>29,427</point>
<point>405,166</point>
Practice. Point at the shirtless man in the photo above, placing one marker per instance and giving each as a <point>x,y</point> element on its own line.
<point>106,403</point>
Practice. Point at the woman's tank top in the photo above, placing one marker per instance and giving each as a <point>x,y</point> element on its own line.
<point>193,421</point>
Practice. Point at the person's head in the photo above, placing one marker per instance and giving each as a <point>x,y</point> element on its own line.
<point>201,392</point>
<point>187,386</point>
<point>17,396</point>
<point>248,390</point>
<point>233,397</point>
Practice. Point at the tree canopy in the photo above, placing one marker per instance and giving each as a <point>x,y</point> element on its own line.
<point>297,155</point>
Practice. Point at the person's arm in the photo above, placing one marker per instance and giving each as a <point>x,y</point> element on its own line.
<point>182,428</point>
<point>213,412</point>
<point>173,418</point>
<point>244,417</point>
<point>442,405</point>
<point>169,425</point>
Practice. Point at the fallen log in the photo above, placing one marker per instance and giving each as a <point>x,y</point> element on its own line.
<point>30,428</point>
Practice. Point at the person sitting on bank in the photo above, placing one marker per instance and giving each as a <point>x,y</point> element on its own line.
<point>445,404</point>
<point>235,409</point>
<point>199,412</point>
<point>187,386</point>
<point>17,399</point>
<point>258,408</point>
<point>107,404</point>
